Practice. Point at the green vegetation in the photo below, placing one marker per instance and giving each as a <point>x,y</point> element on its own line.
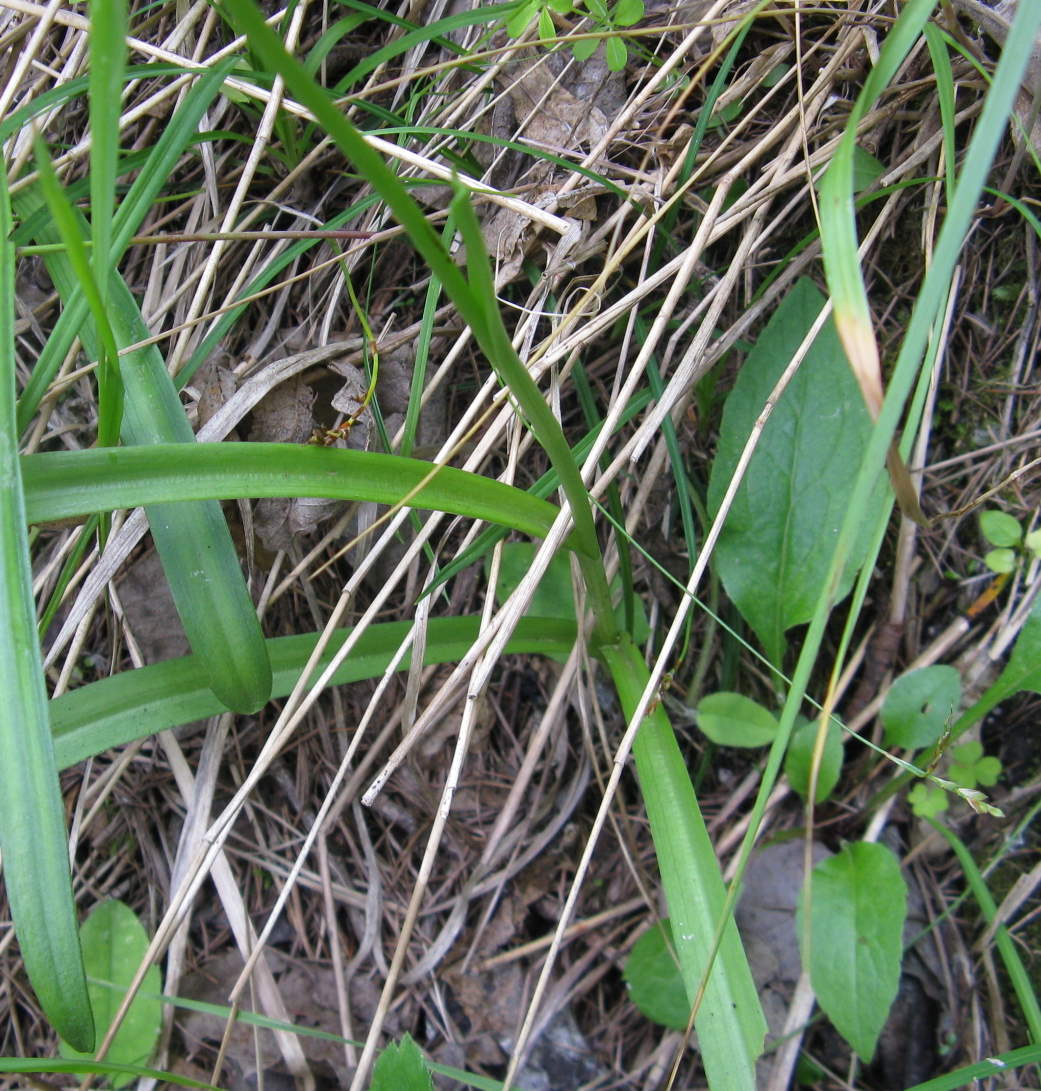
<point>590,345</point>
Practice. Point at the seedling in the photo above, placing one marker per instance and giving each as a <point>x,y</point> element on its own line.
<point>606,22</point>
<point>1004,532</point>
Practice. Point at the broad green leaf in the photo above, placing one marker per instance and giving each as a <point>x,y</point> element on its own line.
<point>518,23</point>
<point>628,12</point>
<point>546,28</point>
<point>858,906</point>
<point>138,703</point>
<point>775,550</point>
<point>731,719</point>
<point>1033,542</point>
<point>799,759</point>
<point>401,1068</point>
<point>919,705</point>
<point>1000,528</point>
<point>114,942</point>
<point>584,48</point>
<point>33,835</point>
<point>652,974</point>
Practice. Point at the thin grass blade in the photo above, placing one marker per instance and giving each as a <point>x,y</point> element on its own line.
<point>107,40</point>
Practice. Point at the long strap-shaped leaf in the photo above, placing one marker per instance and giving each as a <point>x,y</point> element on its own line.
<point>193,540</point>
<point>137,703</point>
<point>67,484</point>
<point>730,1021</point>
<point>33,835</point>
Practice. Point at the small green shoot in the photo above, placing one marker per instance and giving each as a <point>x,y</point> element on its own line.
<point>1005,533</point>
<point>606,20</point>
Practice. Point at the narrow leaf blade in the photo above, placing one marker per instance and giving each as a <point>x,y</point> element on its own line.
<point>33,836</point>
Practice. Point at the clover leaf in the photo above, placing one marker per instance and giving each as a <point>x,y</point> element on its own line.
<point>970,767</point>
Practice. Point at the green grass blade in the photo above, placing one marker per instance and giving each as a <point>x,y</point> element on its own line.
<point>1001,1064</point>
<point>68,484</point>
<point>33,835</point>
<point>107,38</point>
<point>937,43</point>
<point>110,391</point>
<point>137,703</point>
<point>1017,972</point>
<point>100,1068</point>
<point>193,541</point>
<point>414,36</point>
<point>730,1023</point>
<point>838,223</point>
<point>154,174</point>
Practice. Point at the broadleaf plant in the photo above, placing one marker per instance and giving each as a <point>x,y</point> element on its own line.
<point>774,552</point>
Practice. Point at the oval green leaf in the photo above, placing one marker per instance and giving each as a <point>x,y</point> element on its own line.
<point>1000,560</point>
<point>799,759</point>
<point>1000,528</point>
<point>652,975</point>
<point>731,719</point>
<point>114,942</point>
<point>858,905</point>
<point>775,551</point>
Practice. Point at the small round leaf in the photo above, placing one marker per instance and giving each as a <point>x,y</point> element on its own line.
<point>652,973</point>
<point>584,48</point>
<point>799,760</point>
<point>730,719</point>
<point>919,705</point>
<point>627,12</point>
<point>1033,542</point>
<point>1000,560</point>
<point>1000,528</point>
